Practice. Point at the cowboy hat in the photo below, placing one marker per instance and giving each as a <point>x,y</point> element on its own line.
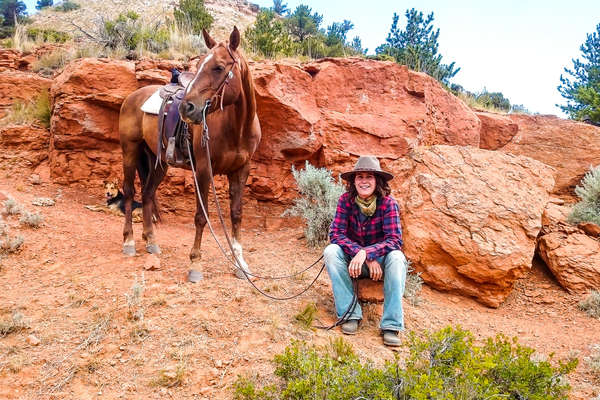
<point>367,164</point>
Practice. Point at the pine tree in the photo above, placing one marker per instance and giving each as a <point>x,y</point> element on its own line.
<point>417,46</point>
<point>11,9</point>
<point>279,7</point>
<point>582,88</point>
<point>43,4</point>
<point>303,24</point>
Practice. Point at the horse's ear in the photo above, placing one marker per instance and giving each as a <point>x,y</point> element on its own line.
<point>185,78</point>
<point>234,39</point>
<point>210,42</point>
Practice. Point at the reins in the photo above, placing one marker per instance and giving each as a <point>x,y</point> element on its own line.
<point>233,259</point>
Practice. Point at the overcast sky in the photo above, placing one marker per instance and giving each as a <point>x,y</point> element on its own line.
<point>517,47</point>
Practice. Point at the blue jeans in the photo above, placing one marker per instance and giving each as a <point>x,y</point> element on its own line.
<point>394,271</point>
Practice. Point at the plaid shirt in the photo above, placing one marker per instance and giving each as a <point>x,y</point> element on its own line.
<point>377,235</point>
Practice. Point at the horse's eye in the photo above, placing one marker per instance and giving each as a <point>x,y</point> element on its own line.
<point>219,68</point>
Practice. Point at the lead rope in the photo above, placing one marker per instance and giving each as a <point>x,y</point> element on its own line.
<point>237,264</point>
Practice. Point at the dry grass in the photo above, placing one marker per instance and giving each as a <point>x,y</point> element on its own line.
<point>14,324</point>
<point>25,113</point>
<point>171,377</point>
<point>593,361</point>
<point>48,63</point>
<point>11,244</point>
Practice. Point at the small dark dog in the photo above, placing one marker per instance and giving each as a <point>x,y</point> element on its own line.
<point>114,202</point>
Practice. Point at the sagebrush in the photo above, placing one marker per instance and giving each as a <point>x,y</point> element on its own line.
<point>591,304</point>
<point>588,207</point>
<point>37,110</point>
<point>441,365</point>
<point>319,194</point>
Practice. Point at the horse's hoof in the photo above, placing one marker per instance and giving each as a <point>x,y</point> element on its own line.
<point>242,273</point>
<point>194,276</point>
<point>129,250</point>
<point>153,249</point>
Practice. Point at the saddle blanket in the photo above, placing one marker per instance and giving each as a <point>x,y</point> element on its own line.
<point>152,105</point>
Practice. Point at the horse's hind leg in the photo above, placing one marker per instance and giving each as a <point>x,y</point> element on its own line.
<point>131,152</point>
<point>237,182</point>
<point>150,185</point>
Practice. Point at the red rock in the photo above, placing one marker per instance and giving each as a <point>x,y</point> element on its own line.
<point>574,259</point>
<point>23,144</point>
<point>590,229</point>
<point>471,217</point>
<point>496,130</point>
<point>152,263</point>
<point>569,147</point>
<point>23,86</point>
<point>370,291</point>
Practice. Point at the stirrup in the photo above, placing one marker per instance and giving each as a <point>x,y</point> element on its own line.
<point>169,154</point>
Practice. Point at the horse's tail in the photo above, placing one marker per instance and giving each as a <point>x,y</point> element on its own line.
<point>144,168</point>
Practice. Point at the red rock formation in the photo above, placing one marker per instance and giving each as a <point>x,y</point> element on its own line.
<point>471,218</point>
<point>24,145</point>
<point>574,259</point>
<point>570,147</point>
<point>84,127</point>
<point>20,86</point>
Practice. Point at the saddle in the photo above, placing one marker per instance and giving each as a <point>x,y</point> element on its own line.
<point>172,130</point>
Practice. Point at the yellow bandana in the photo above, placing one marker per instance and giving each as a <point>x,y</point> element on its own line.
<point>367,206</point>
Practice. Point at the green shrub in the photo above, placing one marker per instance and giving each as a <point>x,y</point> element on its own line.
<point>67,6</point>
<point>591,304</point>
<point>319,195</point>
<point>588,207</point>
<point>47,35</point>
<point>269,36</point>
<point>442,365</point>
<point>192,15</point>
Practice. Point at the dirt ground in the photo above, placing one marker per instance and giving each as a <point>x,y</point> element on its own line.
<point>72,284</point>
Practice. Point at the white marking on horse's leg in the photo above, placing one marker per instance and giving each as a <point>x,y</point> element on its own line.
<point>129,242</point>
<point>187,89</point>
<point>237,250</point>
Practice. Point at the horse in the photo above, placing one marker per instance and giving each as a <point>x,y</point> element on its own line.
<point>221,89</point>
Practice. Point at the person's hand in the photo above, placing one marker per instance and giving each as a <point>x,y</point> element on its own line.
<point>356,264</point>
<point>375,271</point>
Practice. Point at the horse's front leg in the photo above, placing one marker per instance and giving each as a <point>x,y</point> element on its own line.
<point>200,222</point>
<point>237,183</point>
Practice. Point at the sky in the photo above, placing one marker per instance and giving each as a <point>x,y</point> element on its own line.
<point>517,47</point>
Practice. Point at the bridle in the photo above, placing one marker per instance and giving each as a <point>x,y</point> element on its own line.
<point>220,92</point>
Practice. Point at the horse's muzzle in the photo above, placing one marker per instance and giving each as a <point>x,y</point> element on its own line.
<point>190,112</point>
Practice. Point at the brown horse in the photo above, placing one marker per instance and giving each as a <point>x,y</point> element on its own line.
<point>223,78</point>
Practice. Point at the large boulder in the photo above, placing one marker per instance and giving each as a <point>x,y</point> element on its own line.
<point>20,86</point>
<point>471,218</point>
<point>87,97</point>
<point>24,145</point>
<point>573,258</point>
<point>568,146</point>
<point>333,110</point>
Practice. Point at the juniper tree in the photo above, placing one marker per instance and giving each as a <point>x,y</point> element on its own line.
<point>581,86</point>
<point>417,46</point>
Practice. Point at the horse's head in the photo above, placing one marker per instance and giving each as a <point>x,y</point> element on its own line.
<point>217,82</point>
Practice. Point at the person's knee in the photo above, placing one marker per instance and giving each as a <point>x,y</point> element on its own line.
<point>331,252</point>
<point>396,259</point>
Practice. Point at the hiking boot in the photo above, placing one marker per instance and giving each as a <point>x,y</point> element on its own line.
<point>350,327</point>
<point>390,338</point>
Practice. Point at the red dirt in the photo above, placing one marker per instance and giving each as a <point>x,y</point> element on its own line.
<point>70,274</point>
